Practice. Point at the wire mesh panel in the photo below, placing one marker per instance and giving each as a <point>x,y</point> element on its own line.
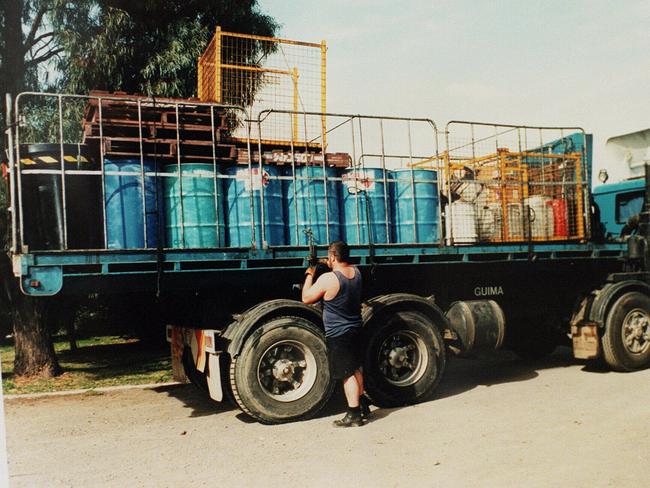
<point>510,184</point>
<point>262,73</point>
<point>119,172</point>
<point>365,168</point>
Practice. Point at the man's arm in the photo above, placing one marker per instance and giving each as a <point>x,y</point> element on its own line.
<point>312,292</point>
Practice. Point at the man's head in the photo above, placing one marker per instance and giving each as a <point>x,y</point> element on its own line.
<point>337,251</point>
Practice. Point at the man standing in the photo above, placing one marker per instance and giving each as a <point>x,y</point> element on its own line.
<point>341,294</point>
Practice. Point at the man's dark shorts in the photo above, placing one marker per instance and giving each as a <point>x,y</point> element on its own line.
<point>345,354</point>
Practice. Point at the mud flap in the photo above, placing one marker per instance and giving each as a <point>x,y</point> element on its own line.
<point>586,343</point>
<point>177,341</point>
<point>214,377</point>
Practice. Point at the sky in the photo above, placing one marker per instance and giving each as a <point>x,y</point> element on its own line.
<point>559,63</point>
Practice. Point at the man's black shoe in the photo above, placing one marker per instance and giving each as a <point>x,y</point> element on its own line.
<point>350,420</point>
<point>364,404</point>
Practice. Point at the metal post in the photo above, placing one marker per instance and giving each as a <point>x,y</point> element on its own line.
<point>263,212</point>
<point>585,186</point>
<point>262,230</point>
<point>327,215</point>
<point>383,165</point>
<point>356,195</point>
<point>294,79</point>
<point>180,175</point>
<point>12,171</point>
<point>214,175</point>
<point>309,178</point>
<point>250,172</point>
<point>142,176</point>
<point>354,175</point>
<point>295,190</point>
<point>438,182</point>
<point>415,215</point>
<point>200,79</point>
<point>217,65</point>
<point>323,87</point>
<point>448,218</point>
<point>62,156</point>
<point>101,163</point>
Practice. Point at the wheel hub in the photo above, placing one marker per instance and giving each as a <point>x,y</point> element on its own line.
<point>287,371</point>
<point>398,357</point>
<point>636,331</point>
<point>403,358</point>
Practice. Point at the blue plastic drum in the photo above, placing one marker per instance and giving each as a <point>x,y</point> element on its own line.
<point>415,205</point>
<point>307,206</point>
<point>366,205</point>
<point>126,210</point>
<point>243,190</point>
<point>194,217</point>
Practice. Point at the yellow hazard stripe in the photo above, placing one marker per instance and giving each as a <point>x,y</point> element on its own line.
<point>51,160</point>
<point>48,159</point>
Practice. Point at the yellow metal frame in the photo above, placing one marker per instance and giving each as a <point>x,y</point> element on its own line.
<point>210,69</point>
<point>511,168</point>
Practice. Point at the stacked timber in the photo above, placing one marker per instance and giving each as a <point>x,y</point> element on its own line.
<point>126,126</point>
<point>282,157</point>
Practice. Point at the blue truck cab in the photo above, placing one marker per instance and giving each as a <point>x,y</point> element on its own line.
<point>618,202</point>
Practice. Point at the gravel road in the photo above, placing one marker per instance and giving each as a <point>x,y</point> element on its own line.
<point>494,422</point>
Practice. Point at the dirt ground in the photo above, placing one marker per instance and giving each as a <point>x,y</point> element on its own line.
<point>494,422</point>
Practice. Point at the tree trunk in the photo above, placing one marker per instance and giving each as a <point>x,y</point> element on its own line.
<point>35,354</point>
<point>12,74</point>
<point>34,349</point>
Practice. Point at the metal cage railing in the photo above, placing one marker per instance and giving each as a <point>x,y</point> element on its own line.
<point>110,173</point>
<point>262,73</point>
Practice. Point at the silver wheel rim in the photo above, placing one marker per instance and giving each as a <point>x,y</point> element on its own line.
<point>286,371</point>
<point>403,358</point>
<point>635,331</point>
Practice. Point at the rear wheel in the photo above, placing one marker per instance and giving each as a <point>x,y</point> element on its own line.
<point>405,359</point>
<point>626,341</point>
<point>282,373</point>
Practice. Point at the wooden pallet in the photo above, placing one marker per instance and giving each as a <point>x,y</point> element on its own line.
<point>282,158</point>
<point>138,125</point>
<point>164,149</point>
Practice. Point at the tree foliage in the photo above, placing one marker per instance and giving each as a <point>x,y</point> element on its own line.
<point>150,46</point>
<point>135,46</point>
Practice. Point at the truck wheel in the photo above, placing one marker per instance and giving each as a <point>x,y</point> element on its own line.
<point>405,359</point>
<point>282,373</point>
<point>626,341</point>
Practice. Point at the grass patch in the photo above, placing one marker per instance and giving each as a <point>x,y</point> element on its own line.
<point>98,361</point>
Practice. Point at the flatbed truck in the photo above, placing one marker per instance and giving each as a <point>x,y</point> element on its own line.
<point>234,318</point>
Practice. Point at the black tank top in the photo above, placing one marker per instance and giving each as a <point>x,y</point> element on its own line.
<point>343,312</point>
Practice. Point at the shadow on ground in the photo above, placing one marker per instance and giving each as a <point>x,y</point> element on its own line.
<point>195,399</point>
<point>461,375</point>
<point>498,367</point>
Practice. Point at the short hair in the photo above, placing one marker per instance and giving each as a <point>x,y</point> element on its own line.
<point>340,250</point>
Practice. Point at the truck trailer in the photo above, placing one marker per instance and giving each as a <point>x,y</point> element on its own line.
<point>469,237</point>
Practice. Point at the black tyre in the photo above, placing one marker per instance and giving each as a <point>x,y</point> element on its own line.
<point>626,341</point>
<point>405,359</point>
<point>197,378</point>
<point>282,373</point>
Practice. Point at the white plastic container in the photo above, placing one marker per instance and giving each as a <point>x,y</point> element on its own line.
<point>541,216</point>
<point>490,222</point>
<point>460,223</point>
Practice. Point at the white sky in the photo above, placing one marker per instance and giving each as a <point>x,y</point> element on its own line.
<point>552,62</point>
